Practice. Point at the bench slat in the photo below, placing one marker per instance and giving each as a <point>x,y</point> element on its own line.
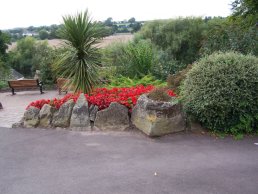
<point>26,83</point>
<point>23,83</point>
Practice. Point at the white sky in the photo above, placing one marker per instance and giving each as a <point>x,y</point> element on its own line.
<point>24,13</point>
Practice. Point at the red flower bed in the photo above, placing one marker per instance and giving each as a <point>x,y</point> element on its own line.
<point>102,97</point>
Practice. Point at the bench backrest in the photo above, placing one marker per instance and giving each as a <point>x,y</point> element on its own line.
<point>62,83</point>
<point>23,83</point>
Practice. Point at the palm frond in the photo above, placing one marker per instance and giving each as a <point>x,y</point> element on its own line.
<point>80,60</point>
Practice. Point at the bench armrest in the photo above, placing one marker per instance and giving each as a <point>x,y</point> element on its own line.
<point>41,83</point>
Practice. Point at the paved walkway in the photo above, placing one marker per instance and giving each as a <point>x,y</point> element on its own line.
<point>15,105</point>
<point>63,162</point>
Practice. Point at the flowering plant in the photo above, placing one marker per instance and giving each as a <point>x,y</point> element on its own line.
<point>103,97</point>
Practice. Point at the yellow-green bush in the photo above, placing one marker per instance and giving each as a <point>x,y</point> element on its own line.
<point>121,81</point>
<point>221,91</point>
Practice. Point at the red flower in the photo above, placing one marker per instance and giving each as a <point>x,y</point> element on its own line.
<point>102,97</point>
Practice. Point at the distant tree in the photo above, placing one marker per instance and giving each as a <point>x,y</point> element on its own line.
<point>245,12</point>
<point>53,31</point>
<point>136,26</point>
<point>180,39</point>
<point>224,35</point>
<point>43,34</point>
<point>4,41</point>
<point>132,20</point>
<point>108,22</point>
<point>31,28</point>
<point>21,57</point>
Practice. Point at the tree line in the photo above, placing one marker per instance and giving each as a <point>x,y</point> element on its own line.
<point>52,31</point>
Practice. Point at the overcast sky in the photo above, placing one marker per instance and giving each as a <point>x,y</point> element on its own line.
<point>24,13</point>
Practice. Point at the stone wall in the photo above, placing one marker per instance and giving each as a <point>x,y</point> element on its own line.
<point>151,117</point>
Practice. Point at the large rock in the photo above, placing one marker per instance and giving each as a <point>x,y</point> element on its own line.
<point>114,118</point>
<point>46,115</point>
<point>61,118</point>
<point>80,116</point>
<point>31,117</point>
<point>157,118</point>
<point>93,112</point>
<point>19,124</point>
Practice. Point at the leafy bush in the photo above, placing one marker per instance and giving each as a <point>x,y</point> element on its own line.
<point>175,80</point>
<point>164,65</point>
<point>31,55</point>
<point>3,84</point>
<point>221,91</point>
<point>122,81</point>
<point>133,59</point>
<point>225,35</point>
<point>179,40</point>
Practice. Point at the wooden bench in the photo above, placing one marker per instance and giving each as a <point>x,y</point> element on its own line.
<point>62,85</point>
<point>24,84</point>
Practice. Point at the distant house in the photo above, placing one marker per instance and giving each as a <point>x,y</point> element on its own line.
<point>30,34</point>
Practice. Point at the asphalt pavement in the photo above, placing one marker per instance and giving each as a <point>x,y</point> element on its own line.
<point>38,161</point>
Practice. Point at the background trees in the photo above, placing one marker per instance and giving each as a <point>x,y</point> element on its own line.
<point>245,12</point>
<point>4,41</point>
<point>30,55</point>
<point>43,34</point>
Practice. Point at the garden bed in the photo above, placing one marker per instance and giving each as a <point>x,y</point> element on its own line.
<point>103,97</point>
<point>104,109</point>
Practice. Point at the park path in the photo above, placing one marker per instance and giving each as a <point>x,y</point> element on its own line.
<point>15,105</point>
<point>61,161</point>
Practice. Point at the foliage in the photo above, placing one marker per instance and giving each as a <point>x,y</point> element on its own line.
<point>133,59</point>
<point>80,60</point>
<point>43,34</point>
<point>175,80</point>
<point>225,35</point>
<point>161,94</point>
<point>31,55</point>
<point>221,91</point>
<point>21,58</point>
<point>164,65</point>
<point>4,41</point>
<point>110,56</point>
<point>4,70</point>
<point>121,81</point>
<point>245,12</point>
<point>3,84</point>
<point>43,59</point>
<point>178,39</point>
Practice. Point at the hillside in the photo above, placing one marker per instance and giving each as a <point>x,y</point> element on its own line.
<point>104,42</point>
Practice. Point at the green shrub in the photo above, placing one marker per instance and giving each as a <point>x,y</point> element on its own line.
<point>164,65</point>
<point>179,39</point>
<point>224,35</point>
<point>133,59</point>
<point>3,84</point>
<point>221,91</point>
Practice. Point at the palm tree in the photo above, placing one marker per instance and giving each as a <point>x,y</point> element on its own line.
<point>79,60</point>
